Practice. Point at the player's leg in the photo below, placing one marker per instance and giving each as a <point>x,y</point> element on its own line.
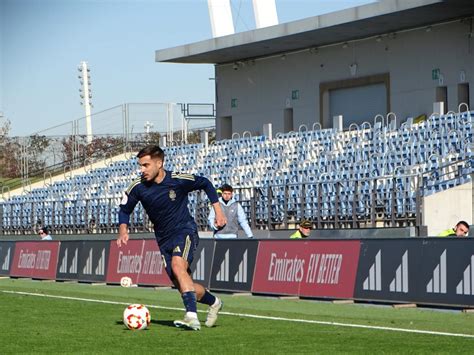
<point>182,249</point>
<point>182,253</point>
<point>179,267</point>
<point>192,292</point>
<point>185,284</point>
<point>215,304</point>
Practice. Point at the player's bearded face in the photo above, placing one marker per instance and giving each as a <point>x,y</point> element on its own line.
<point>149,168</point>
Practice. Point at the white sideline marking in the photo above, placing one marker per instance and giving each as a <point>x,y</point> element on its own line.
<point>337,324</point>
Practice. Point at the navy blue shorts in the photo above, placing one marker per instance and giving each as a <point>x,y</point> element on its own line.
<point>183,244</point>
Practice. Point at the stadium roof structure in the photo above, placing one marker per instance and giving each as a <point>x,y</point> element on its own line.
<point>385,16</point>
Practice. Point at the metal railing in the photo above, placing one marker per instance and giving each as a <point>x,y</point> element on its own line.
<point>25,160</point>
<point>371,202</point>
<point>387,201</point>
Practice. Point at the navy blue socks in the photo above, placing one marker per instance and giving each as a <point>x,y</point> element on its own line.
<point>189,300</point>
<point>208,299</point>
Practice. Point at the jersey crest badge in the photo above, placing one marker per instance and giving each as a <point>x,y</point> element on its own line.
<point>172,195</point>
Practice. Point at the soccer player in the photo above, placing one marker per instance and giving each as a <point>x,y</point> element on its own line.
<point>164,196</point>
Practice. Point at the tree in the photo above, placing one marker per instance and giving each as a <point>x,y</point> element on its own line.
<point>76,150</point>
<point>9,149</point>
<point>36,146</point>
<point>5,130</point>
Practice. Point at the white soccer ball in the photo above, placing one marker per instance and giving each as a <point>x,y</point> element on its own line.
<point>136,317</point>
<point>125,281</point>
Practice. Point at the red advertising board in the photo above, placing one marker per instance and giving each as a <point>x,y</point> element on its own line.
<point>309,268</point>
<point>140,260</point>
<point>153,271</point>
<point>35,259</point>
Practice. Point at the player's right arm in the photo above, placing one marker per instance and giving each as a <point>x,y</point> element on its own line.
<point>129,201</point>
<point>123,235</point>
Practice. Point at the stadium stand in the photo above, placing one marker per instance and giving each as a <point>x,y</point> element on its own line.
<point>368,175</point>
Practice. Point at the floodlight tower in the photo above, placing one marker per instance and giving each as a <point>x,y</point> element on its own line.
<point>147,127</point>
<point>86,96</point>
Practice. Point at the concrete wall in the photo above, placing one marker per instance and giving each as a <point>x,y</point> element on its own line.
<point>359,233</point>
<point>444,209</point>
<point>263,87</point>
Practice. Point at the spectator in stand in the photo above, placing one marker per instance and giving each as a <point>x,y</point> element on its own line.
<point>44,234</point>
<point>304,230</point>
<point>461,230</point>
<point>234,214</point>
<point>92,227</point>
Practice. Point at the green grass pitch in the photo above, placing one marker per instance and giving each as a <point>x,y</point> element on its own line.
<point>67,320</point>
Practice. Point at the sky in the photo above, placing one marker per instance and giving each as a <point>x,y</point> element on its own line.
<point>42,43</point>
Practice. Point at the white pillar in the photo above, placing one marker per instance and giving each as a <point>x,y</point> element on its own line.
<point>169,116</point>
<point>220,14</point>
<point>205,138</point>
<point>86,95</point>
<point>338,123</point>
<point>267,130</point>
<point>163,141</point>
<point>265,13</point>
<point>438,107</point>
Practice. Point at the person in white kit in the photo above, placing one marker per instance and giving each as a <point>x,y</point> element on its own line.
<point>234,214</point>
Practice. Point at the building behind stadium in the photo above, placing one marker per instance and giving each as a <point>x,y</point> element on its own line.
<point>412,58</point>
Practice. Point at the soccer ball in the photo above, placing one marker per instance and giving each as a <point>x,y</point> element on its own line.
<point>125,281</point>
<point>136,317</point>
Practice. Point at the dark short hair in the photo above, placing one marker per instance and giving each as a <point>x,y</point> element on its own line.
<point>227,187</point>
<point>154,151</point>
<point>44,230</point>
<point>464,223</point>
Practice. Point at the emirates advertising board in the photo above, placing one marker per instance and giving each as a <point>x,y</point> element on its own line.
<point>307,268</point>
<point>68,260</point>
<point>91,266</point>
<point>423,270</point>
<point>140,260</point>
<point>35,260</point>
<point>202,262</point>
<point>7,250</point>
<point>447,272</point>
<point>233,264</point>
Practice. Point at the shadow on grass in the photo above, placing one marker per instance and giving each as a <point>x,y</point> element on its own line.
<point>166,323</point>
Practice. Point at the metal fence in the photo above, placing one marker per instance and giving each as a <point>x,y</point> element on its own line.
<point>24,160</point>
<point>330,204</point>
<point>387,201</point>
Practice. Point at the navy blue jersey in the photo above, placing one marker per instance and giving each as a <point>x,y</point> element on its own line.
<point>165,203</point>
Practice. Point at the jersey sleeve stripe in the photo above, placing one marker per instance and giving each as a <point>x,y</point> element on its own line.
<point>182,176</point>
<point>133,184</point>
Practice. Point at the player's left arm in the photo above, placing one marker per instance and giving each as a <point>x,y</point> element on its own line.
<point>211,219</point>
<point>220,220</point>
<point>194,183</point>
